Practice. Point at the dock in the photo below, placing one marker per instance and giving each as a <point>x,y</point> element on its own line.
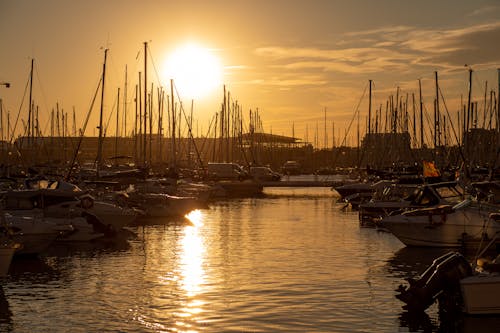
<point>301,183</point>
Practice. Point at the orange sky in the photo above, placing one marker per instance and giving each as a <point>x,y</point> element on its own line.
<point>290,59</point>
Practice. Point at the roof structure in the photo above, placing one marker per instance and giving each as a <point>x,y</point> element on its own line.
<point>270,138</point>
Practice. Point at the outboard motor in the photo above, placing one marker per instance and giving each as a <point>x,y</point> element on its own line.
<point>443,275</point>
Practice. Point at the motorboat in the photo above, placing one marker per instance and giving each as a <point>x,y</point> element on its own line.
<point>481,294</point>
<point>83,229</point>
<point>481,291</point>
<point>237,189</point>
<point>357,193</point>
<point>456,284</point>
<point>34,232</point>
<point>346,190</point>
<point>113,216</point>
<point>401,197</point>
<point>465,223</point>
<point>163,205</point>
<point>64,200</point>
<point>443,275</point>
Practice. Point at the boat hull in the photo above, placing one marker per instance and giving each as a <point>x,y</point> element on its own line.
<point>112,215</point>
<point>6,254</point>
<point>35,243</point>
<point>481,294</point>
<point>442,230</point>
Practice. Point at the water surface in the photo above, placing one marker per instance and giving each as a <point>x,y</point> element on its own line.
<point>291,261</point>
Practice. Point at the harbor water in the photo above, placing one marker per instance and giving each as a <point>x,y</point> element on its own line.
<point>293,260</point>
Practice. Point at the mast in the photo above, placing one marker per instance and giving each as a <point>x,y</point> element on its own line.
<point>484,106</point>
<point>498,108</point>
<point>223,127</point>
<point>333,135</point>
<point>160,124</point>
<point>150,125</point>
<point>58,123</point>
<point>370,109</point>
<point>414,120</point>
<point>117,124</point>
<point>74,122</point>
<point>469,100</point>
<point>395,114</point>
<point>125,104</point>
<point>139,121</point>
<point>135,125</point>
<point>190,124</point>
<point>437,129</point>
<point>326,136</point>
<point>30,110</point>
<point>227,128</point>
<point>1,120</point>
<point>174,152</point>
<point>99,143</point>
<point>421,114</point>
<point>145,102</point>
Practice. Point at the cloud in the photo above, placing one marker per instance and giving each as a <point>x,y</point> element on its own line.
<point>348,60</point>
<point>398,48</point>
<point>485,11</point>
<point>389,31</point>
<point>456,47</point>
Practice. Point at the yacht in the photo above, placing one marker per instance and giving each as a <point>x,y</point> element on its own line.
<point>444,225</point>
<point>64,200</point>
<point>402,197</point>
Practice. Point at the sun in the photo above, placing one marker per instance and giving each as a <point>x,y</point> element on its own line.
<point>195,69</point>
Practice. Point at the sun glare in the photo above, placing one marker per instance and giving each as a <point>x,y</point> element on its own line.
<point>196,71</point>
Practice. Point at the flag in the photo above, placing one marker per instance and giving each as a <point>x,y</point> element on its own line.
<point>430,169</point>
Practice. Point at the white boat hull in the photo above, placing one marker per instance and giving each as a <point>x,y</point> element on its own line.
<point>34,232</point>
<point>112,215</point>
<point>442,230</point>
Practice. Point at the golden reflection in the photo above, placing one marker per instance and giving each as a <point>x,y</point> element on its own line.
<point>195,217</point>
<point>192,274</point>
<point>191,260</point>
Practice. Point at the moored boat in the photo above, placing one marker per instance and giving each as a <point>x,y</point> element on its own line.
<point>465,223</point>
<point>57,199</point>
<point>481,294</point>
<point>229,189</point>
<point>35,233</point>
<point>402,197</point>
<point>457,284</point>
<point>163,205</point>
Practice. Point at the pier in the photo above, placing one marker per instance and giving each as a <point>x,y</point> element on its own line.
<point>302,183</point>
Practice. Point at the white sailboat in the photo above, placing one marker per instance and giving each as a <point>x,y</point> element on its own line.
<point>443,225</point>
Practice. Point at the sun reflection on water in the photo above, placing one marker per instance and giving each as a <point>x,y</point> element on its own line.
<point>191,269</point>
<point>195,217</point>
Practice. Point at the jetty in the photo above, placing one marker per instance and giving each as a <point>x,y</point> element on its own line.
<point>302,183</point>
